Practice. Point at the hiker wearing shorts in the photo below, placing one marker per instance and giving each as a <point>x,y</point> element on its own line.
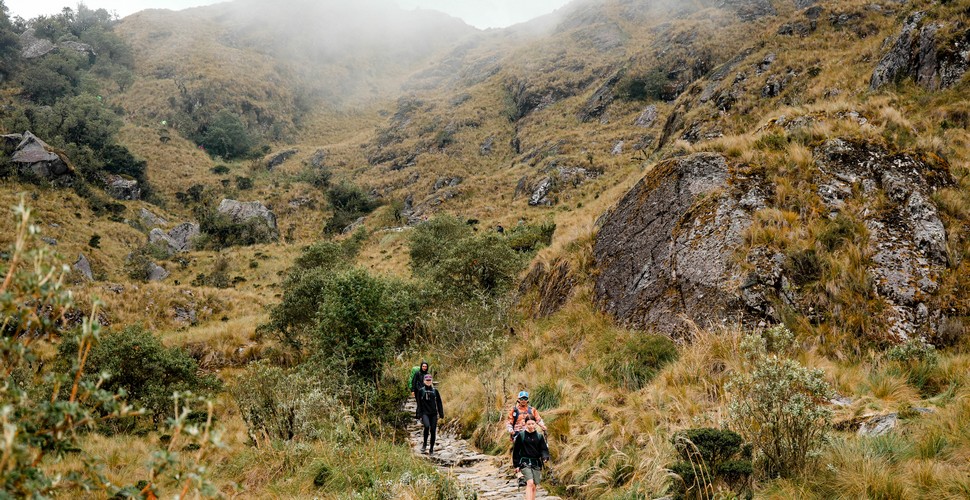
<point>529,454</point>
<point>517,417</point>
<point>429,411</point>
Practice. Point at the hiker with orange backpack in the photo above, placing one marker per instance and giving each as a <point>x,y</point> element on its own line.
<point>517,417</point>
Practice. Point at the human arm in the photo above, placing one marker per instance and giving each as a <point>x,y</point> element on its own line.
<point>441,410</point>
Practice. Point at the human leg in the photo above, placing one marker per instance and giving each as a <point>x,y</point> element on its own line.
<point>426,422</point>
<point>433,425</point>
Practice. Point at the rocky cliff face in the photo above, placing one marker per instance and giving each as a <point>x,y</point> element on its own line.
<point>934,54</point>
<point>673,250</point>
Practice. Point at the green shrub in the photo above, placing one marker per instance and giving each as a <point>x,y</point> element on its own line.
<point>218,277</point>
<point>318,177</point>
<point>219,231</point>
<point>771,142</point>
<point>147,371</point>
<point>226,136</point>
<point>279,404</point>
<point>462,264</point>
<point>349,202</point>
<point>804,266</point>
<point>360,319</point>
<point>713,462</point>
<point>919,362</point>
<point>641,87</point>
<point>243,183</point>
<point>837,231</point>
<point>779,405</point>
<point>220,169</point>
<point>632,363</point>
<point>529,238</point>
<point>546,396</point>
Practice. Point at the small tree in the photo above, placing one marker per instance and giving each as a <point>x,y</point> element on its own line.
<point>226,136</point>
<point>779,405</point>
<point>711,461</point>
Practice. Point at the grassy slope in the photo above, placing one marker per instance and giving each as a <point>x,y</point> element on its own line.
<point>599,449</point>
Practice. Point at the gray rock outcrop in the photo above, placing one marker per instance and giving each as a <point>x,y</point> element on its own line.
<point>151,220</point>
<point>34,156</point>
<point>122,188</point>
<point>664,257</point>
<point>648,117</point>
<point>277,159</point>
<point>243,211</point>
<point>32,47</point>
<point>668,253</point>
<point>83,266</point>
<point>918,53</point>
<point>179,239</point>
<point>157,272</point>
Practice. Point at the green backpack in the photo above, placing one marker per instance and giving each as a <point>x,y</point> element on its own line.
<point>414,369</point>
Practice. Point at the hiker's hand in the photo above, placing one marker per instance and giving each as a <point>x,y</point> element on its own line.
<point>516,470</point>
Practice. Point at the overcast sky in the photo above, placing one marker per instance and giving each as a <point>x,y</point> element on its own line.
<point>479,13</point>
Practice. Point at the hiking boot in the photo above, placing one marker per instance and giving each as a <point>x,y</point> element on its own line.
<point>424,448</point>
<point>431,451</point>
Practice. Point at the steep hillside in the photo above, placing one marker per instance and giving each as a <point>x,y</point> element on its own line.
<point>779,186</point>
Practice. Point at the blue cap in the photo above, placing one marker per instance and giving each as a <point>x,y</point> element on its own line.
<point>523,394</point>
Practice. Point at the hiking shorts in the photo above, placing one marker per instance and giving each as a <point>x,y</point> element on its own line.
<point>534,474</point>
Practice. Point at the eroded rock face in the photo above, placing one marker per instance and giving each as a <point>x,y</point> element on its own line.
<point>669,251</point>
<point>121,188</point>
<point>242,211</point>
<point>919,53</point>
<point>83,266</point>
<point>665,253</point>
<point>277,159</point>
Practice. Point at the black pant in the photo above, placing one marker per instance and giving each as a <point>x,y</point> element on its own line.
<point>430,423</point>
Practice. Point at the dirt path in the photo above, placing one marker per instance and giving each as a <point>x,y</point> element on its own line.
<point>492,477</point>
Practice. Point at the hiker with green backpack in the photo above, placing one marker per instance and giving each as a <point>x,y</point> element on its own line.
<point>529,454</point>
<point>417,377</point>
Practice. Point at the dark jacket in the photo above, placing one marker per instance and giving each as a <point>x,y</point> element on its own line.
<point>417,380</point>
<point>529,450</point>
<point>429,402</point>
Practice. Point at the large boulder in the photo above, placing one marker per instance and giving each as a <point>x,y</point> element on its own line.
<point>32,47</point>
<point>920,52</point>
<point>672,252</point>
<point>665,252</point>
<point>179,239</point>
<point>149,219</point>
<point>33,156</point>
<point>243,211</point>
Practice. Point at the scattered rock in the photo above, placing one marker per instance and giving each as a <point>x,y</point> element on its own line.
<point>151,220</point>
<point>122,188</point>
<point>278,158</point>
<point>317,158</point>
<point>617,148</point>
<point>179,239</point>
<point>157,272</point>
<point>185,314</point>
<point>442,182</point>
<point>600,100</point>
<point>540,195</point>
<point>648,117</point>
<point>242,211</point>
<point>486,148</point>
<point>877,425</point>
<point>354,225</point>
<point>50,241</point>
<point>83,266</point>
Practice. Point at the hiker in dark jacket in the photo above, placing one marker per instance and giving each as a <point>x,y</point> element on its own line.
<point>529,453</point>
<point>417,380</point>
<point>429,411</point>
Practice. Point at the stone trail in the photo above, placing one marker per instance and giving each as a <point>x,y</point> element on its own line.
<point>492,477</point>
